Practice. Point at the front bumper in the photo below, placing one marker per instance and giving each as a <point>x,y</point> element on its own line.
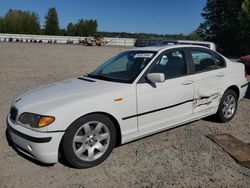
<point>41,146</point>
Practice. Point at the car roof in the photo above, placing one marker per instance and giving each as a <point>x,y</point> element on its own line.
<point>189,41</point>
<point>207,44</point>
<point>166,47</point>
<point>195,42</point>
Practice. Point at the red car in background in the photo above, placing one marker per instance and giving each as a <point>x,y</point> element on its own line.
<point>246,61</point>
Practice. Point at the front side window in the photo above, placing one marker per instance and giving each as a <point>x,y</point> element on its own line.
<point>124,67</point>
<point>203,61</point>
<point>172,64</point>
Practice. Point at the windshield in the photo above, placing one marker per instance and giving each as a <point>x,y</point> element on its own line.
<point>124,67</point>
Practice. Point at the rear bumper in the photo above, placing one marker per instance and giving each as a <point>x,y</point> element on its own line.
<point>247,66</point>
<point>243,90</point>
<point>41,146</point>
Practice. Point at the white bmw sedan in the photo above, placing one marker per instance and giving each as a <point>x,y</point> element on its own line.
<point>134,94</point>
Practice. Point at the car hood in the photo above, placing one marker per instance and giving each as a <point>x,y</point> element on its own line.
<point>68,90</point>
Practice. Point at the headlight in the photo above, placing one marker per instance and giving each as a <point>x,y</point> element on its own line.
<point>35,120</point>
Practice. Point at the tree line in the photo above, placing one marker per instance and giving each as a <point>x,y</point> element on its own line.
<point>17,21</point>
<point>227,23</point>
<point>26,22</point>
<point>142,36</point>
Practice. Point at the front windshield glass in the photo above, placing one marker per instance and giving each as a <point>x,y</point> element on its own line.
<point>124,67</point>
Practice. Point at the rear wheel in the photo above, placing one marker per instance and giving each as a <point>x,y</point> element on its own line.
<point>228,106</point>
<point>89,141</point>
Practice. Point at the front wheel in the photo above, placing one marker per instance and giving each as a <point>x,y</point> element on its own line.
<point>228,106</point>
<point>89,141</point>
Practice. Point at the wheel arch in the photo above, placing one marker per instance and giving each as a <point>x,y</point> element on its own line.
<point>117,126</point>
<point>235,89</point>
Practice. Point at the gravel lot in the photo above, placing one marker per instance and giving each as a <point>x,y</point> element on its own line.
<point>180,157</point>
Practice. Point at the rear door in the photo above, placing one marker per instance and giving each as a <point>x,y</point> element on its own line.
<point>208,77</point>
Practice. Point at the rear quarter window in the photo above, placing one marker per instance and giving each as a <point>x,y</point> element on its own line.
<point>219,60</point>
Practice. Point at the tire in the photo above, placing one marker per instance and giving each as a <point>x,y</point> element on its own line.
<point>89,141</point>
<point>227,107</point>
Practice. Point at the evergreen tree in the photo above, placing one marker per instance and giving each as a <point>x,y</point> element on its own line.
<point>245,27</point>
<point>52,22</point>
<point>222,24</point>
<point>34,23</point>
<point>194,36</point>
<point>91,27</point>
<point>81,28</point>
<point>71,29</point>
<point>1,25</point>
<point>20,22</point>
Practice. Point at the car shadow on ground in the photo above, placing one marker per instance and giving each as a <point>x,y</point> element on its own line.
<point>212,118</point>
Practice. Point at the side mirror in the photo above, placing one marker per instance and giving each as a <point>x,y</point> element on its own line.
<point>156,77</point>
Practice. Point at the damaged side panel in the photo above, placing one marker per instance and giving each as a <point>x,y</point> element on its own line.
<point>206,99</point>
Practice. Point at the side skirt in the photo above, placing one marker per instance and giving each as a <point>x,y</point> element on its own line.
<point>146,132</point>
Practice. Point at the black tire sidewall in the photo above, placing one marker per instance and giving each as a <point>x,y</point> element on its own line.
<point>220,112</point>
<point>67,141</point>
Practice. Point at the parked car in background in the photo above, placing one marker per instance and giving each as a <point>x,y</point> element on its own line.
<point>210,45</point>
<point>136,93</point>
<point>246,61</point>
<point>158,42</point>
<point>147,42</point>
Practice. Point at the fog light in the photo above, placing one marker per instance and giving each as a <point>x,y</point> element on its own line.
<point>30,148</point>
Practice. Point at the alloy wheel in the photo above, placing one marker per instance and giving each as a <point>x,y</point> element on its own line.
<point>91,141</point>
<point>229,106</point>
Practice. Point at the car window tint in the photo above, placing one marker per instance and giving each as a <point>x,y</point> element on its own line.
<point>203,61</point>
<point>117,67</point>
<point>172,64</point>
<point>220,61</point>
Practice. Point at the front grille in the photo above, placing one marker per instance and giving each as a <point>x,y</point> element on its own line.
<point>13,113</point>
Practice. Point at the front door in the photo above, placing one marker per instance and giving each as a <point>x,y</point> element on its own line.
<point>162,105</point>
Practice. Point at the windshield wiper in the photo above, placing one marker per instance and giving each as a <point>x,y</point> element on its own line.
<point>107,78</point>
<point>101,77</point>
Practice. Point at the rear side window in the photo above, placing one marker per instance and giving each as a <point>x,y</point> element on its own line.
<point>203,61</point>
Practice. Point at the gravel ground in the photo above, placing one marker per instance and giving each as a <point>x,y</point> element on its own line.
<point>180,157</point>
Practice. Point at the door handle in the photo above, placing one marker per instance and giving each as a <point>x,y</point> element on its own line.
<point>187,82</point>
<point>220,74</point>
